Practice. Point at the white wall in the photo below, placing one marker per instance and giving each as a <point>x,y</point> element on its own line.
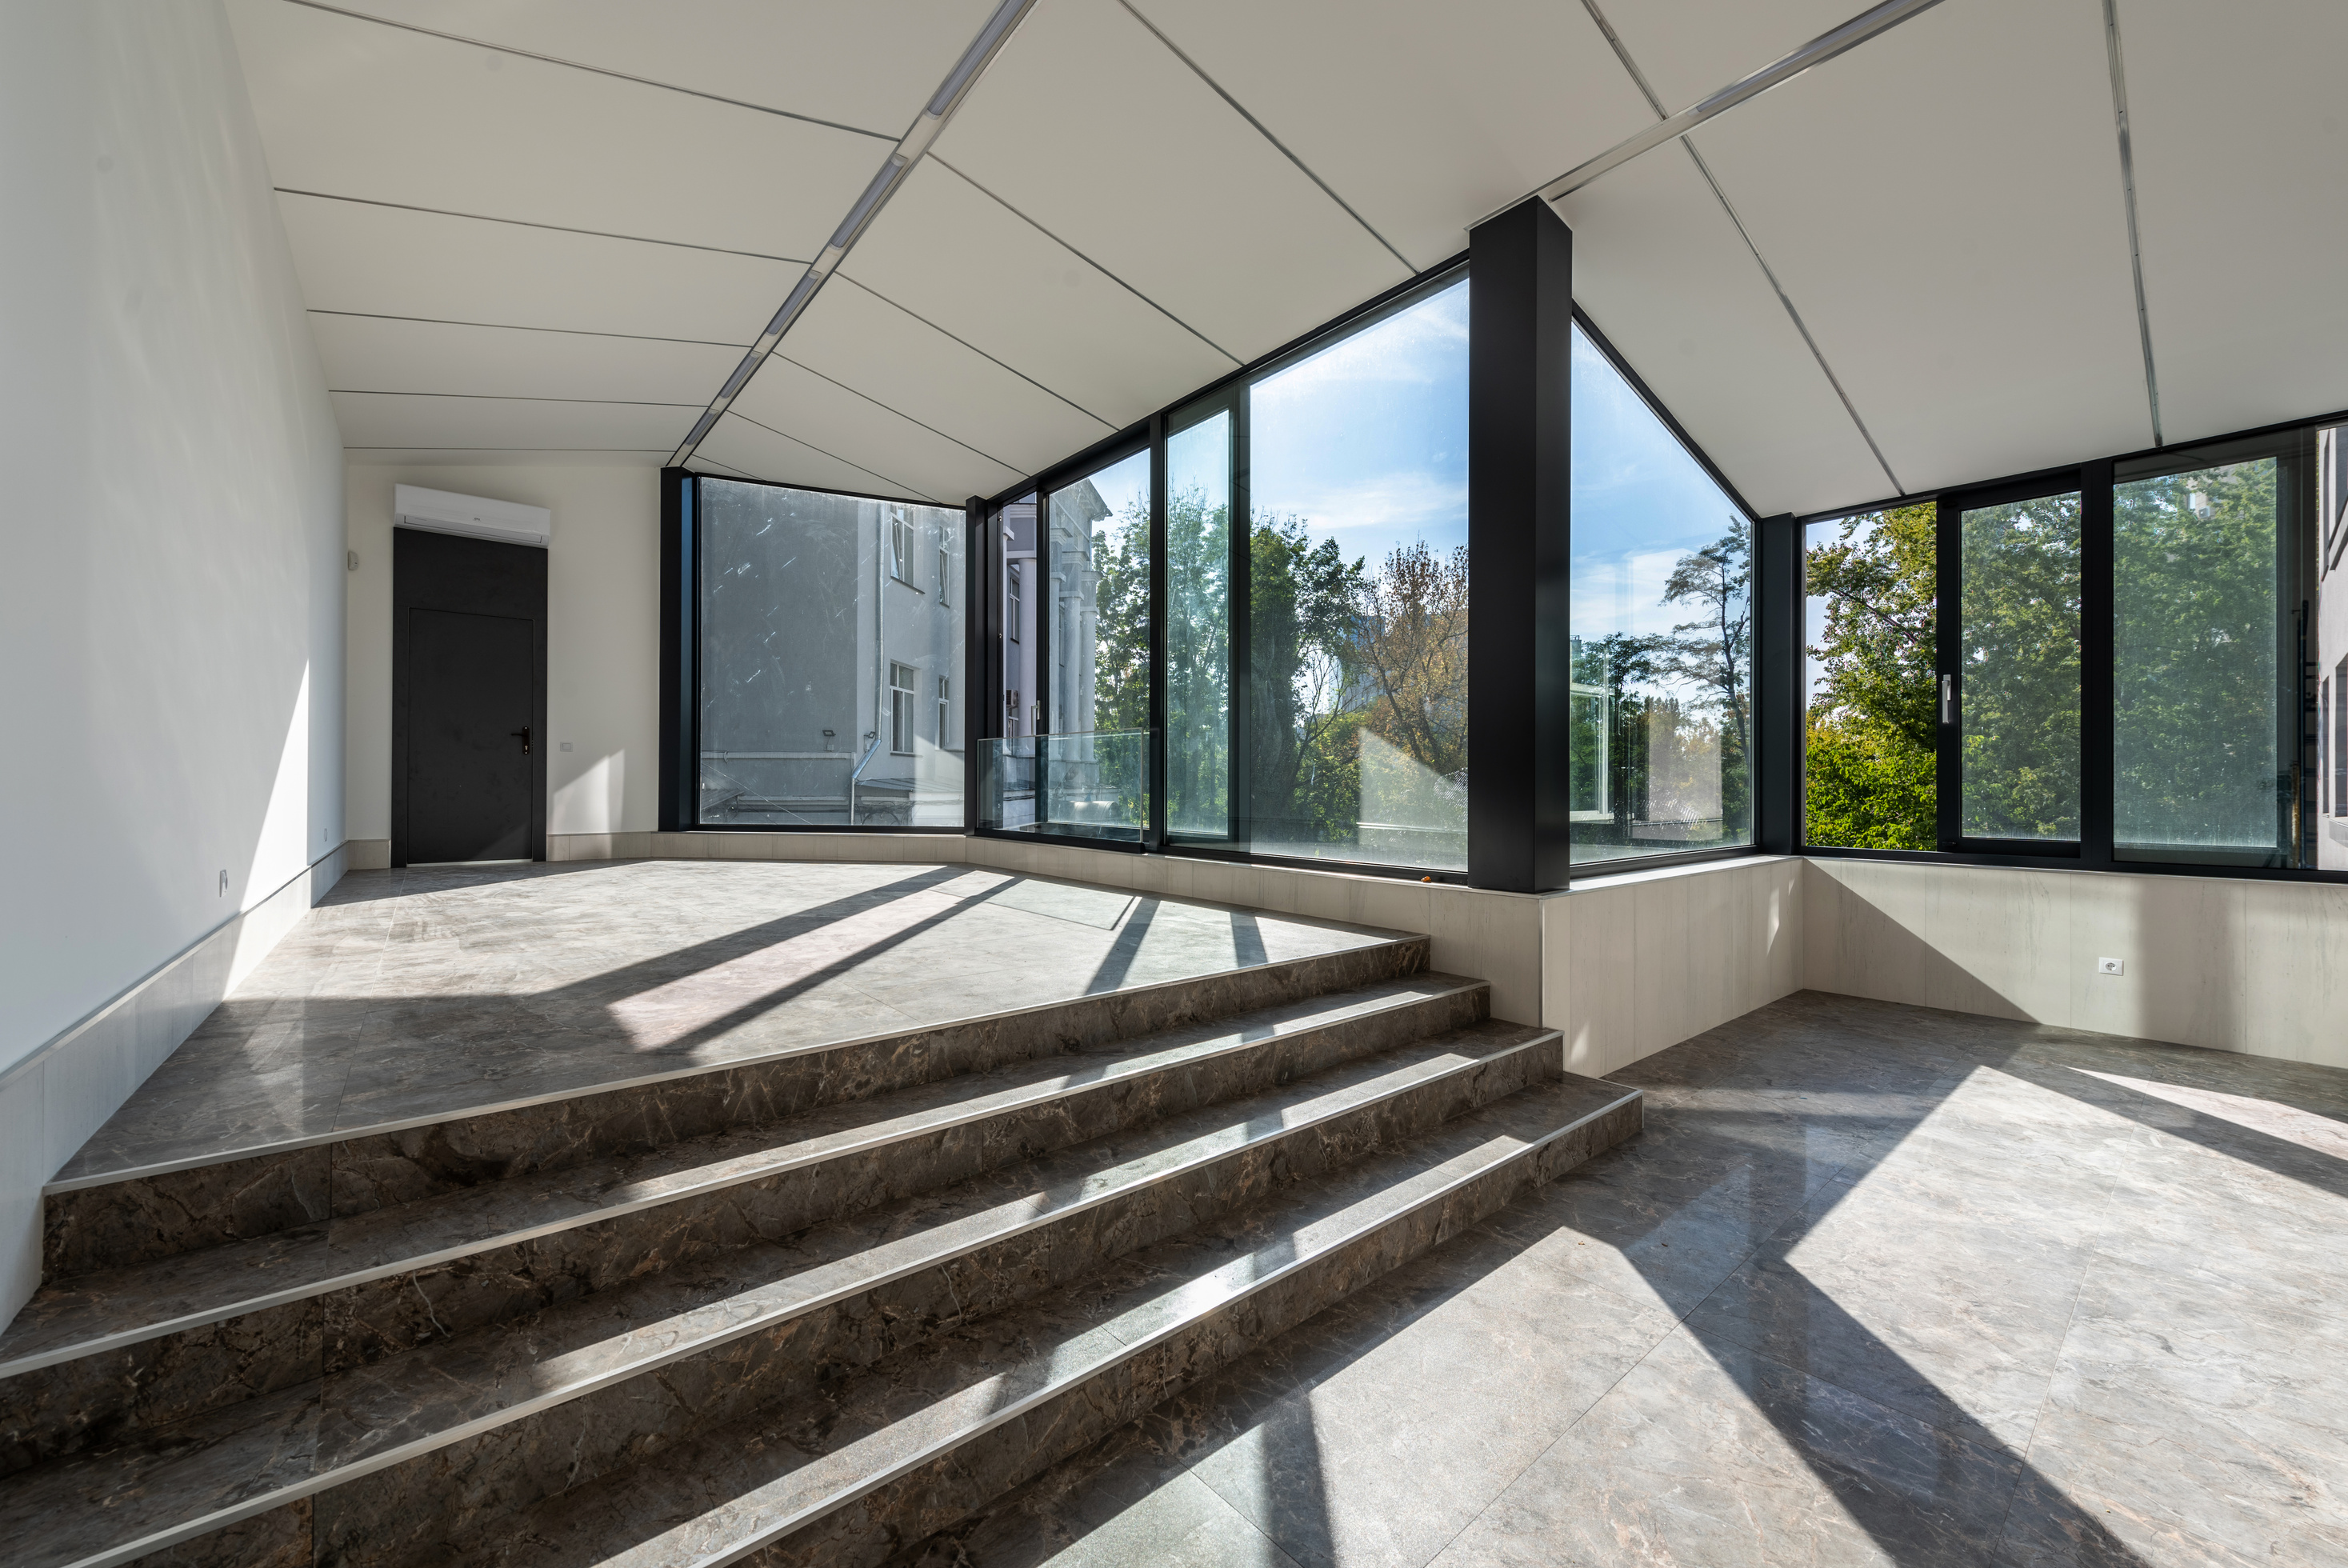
<point>603,639</point>
<point>171,601</point>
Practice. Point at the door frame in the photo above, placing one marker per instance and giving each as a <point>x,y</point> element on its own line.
<point>473,577</point>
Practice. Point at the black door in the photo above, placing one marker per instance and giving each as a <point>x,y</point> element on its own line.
<point>470,741</point>
<point>469,699</point>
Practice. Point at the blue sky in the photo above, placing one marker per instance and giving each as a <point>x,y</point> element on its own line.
<point>1368,440</point>
<point>1640,504</point>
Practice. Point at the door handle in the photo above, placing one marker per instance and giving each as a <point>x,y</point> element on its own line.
<point>1948,699</point>
<point>522,735</point>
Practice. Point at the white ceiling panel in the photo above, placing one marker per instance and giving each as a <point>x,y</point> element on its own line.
<point>2240,136</point>
<point>382,261</point>
<point>952,254</point>
<point>1660,269</point>
<point>752,451</point>
<point>1944,206</point>
<point>372,354</point>
<point>353,107</point>
<point>1423,117</point>
<point>802,405</point>
<point>371,419</point>
<point>1092,127</point>
<point>871,64</point>
<point>865,343</point>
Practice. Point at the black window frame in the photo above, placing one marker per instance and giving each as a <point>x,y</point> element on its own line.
<point>2094,480</point>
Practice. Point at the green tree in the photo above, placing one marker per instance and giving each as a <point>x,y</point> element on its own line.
<point>2203,754</point>
<point>1713,655</point>
<point>1872,728</point>
<point>2020,669</point>
<point>1304,773</point>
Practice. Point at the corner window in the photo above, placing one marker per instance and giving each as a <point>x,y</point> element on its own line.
<point>1662,632</point>
<point>808,672</point>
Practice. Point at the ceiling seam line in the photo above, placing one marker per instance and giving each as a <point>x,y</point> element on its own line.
<point>2128,192</point>
<point>1795,316</point>
<point>1830,45</point>
<point>509,397</point>
<point>516,326</point>
<point>835,457</point>
<point>592,70</point>
<point>933,326</point>
<point>429,447</point>
<point>976,55</point>
<point>1639,78</point>
<point>939,161</point>
<point>1408,267</point>
<point>1013,470</point>
<point>532,223</point>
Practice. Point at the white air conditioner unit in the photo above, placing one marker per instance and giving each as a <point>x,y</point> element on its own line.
<point>440,511</point>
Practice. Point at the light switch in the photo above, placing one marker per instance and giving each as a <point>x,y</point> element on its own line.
<point>2110,966</point>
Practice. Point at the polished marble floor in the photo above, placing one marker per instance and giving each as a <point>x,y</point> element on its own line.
<point>413,993</point>
<point>1877,1284</point>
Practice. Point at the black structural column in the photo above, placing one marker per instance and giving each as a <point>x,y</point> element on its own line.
<point>1778,682</point>
<point>679,705</point>
<point>1519,658</point>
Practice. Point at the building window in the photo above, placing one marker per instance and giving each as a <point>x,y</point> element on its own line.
<point>2018,671</point>
<point>1012,616</point>
<point>1870,727</point>
<point>2340,737</point>
<point>946,737</point>
<point>946,577</point>
<point>900,546</point>
<point>901,708</point>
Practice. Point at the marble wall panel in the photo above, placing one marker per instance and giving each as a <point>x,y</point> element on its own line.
<point>2230,963</point>
<point>1640,960</point>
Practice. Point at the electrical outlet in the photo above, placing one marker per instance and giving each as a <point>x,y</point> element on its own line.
<point>566,746</point>
<point>2110,966</point>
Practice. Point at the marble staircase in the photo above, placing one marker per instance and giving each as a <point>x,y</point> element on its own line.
<point>809,1308</point>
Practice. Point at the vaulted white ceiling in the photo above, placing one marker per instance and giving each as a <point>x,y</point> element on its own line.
<point>545,226</point>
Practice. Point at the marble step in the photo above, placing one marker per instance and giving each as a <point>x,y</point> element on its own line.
<point>107,1214</point>
<point>889,1457</point>
<point>99,1357</point>
<point>381,1459</point>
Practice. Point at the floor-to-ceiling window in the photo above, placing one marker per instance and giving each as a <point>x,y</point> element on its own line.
<point>1201,454</point>
<point>1091,606</point>
<point>1662,628</point>
<point>1356,667</point>
<point>824,620</point>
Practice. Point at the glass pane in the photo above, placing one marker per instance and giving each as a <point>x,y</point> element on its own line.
<point>1357,694</point>
<point>1663,634</point>
<point>1872,729</point>
<point>828,665</point>
<point>1015,569</point>
<point>2202,755</point>
<point>1092,785</point>
<point>1199,629</point>
<point>2019,713</point>
<point>1096,593</point>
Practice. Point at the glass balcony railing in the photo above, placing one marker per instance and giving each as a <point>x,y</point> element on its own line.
<point>1091,785</point>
